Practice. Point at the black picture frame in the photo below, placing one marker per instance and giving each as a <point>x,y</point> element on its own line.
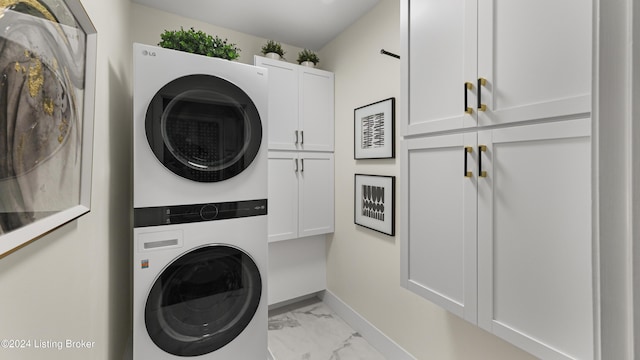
<point>374,202</point>
<point>374,130</point>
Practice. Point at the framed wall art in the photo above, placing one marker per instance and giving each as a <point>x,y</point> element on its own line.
<point>374,130</point>
<point>374,202</point>
<point>47,87</point>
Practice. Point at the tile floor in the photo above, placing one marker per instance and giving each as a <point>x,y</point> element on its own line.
<point>309,330</point>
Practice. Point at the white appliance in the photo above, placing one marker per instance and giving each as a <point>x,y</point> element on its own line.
<point>199,132</point>
<point>200,288</point>
<point>200,225</point>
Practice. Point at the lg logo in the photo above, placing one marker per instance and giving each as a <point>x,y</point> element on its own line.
<point>148,53</point>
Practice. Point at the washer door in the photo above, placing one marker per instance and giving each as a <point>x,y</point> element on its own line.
<point>203,128</point>
<point>203,300</point>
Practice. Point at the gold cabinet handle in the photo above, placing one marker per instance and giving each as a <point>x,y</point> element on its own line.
<point>467,86</point>
<point>481,149</point>
<point>481,82</point>
<point>467,150</point>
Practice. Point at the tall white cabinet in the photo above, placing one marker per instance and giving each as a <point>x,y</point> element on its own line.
<point>301,181</point>
<point>496,167</point>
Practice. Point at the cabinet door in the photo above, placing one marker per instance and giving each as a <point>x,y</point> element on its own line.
<point>283,195</point>
<point>316,194</point>
<point>439,200</point>
<point>283,103</point>
<point>536,58</point>
<point>440,56</point>
<point>316,110</point>
<point>535,277</point>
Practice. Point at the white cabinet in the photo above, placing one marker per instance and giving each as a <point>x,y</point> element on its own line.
<point>301,184</point>
<point>500,90</point>
<point>439,56</point>
<point>301,188</point>
<point>439,245</point>
<point>535,275</point>
<point>524,61</point>
<point>301,106</point>
<point>316,109</point>
<point>498,231</point>
<point>283,103</point>
<point>283,195</point>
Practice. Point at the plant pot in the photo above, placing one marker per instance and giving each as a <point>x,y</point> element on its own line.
<point>308,64</point>
<point>273,55</point>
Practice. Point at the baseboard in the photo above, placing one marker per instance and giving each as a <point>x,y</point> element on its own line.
<point>387,347</point>
<point>284,305</point>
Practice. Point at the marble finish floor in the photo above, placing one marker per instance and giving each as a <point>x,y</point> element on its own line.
<point>309,330</point>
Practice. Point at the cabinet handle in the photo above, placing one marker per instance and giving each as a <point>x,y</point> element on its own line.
<point>467,86</point>
<point>302,163</point>
<point>296,136</point>
<point>296,160</point>
<point>481,82</point>
<point>301,137</point>
<point>467,150</point>
<point>481,149</point>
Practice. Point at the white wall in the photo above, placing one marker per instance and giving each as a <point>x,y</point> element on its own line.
<point>149,23</point>
<point>363,265</point>
<point>74,282</point>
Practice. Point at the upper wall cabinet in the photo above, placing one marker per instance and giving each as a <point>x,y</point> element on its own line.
<point>300,106</point>
<point>475,63</point>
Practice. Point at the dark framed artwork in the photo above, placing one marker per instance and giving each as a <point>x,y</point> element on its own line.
<point>374,202</point>
<point>374,130</point>
<point>47,90</point>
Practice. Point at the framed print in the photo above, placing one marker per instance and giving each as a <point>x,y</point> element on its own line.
<point>374,202</point>
<point>374,130</point>
<point>47,87</point>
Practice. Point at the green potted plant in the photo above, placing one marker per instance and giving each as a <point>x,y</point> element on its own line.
<point>307,57</point>
<point>273,49</point>
<point>198,42</point>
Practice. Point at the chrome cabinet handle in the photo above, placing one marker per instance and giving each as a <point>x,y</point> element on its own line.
<point>296,160</point>
<point>296,136</point>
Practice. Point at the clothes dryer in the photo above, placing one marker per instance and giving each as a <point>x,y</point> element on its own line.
<point>199,132</point>
<point>199,196</point>
<point>200,283</point>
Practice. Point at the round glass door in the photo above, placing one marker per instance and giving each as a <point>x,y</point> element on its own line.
<point>203,300</point>
<point>203,128</point>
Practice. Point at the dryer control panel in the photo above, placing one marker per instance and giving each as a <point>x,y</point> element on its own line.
<point>180,214</point>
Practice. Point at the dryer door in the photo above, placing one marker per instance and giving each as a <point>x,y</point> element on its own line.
<point>203,300</point>
<point>203,128</point>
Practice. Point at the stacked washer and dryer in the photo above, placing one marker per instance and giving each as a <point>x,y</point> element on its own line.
<point>199,198</point>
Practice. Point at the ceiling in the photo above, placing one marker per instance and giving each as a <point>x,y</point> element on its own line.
<point>303,23</point>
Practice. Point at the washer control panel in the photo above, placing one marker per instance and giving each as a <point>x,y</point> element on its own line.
<point>180,214</point>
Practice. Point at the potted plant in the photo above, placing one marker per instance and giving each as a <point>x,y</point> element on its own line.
<point>307,57</point>
<point>198,42</point>
<point>273,50</point>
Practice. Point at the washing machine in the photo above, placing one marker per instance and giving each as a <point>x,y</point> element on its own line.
<point>200,285</point>
<point>199,198</point>
<point>199,132</point>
